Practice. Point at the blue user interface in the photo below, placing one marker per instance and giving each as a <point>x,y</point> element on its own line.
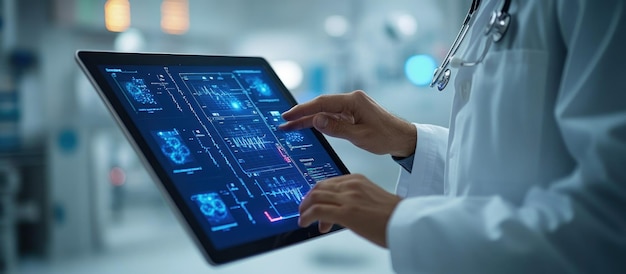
<point>215,132</point>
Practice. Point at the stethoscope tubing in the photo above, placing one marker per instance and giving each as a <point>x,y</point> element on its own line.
<point>457,42</point>
<point>496,28</point>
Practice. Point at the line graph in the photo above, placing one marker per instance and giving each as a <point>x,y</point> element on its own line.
<point>220,97</point>
<point>284,193</point>
<point>238,115</point>
<point>252,144</point>
<point>219,94</point>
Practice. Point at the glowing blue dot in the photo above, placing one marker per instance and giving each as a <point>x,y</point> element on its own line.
<point>419,69</point>
<point>235,105</point>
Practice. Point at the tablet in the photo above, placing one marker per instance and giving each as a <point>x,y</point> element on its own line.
<point>206,128</point>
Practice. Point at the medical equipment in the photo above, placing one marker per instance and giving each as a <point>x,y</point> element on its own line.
<point>496,28</point>
<point>243,154</point>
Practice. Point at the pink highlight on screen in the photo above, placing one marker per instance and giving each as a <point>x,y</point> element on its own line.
<point>282,152</point>
<point>272,219</point>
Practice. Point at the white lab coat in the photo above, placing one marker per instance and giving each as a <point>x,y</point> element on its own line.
<point>531,175</point>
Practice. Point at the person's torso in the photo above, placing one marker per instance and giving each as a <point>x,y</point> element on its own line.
<point>504,138</point>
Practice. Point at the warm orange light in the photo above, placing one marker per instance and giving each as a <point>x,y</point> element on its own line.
<point>117,15</point>
<point>175,16</point>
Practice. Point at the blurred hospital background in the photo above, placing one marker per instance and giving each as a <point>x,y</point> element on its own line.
<point>73,196</point>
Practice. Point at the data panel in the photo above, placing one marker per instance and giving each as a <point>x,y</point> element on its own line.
<point>215,131</point>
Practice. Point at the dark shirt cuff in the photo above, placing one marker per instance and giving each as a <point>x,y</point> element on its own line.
<point>405,162</point>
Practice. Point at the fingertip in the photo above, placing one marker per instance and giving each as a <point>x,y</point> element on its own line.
<point>287,126</point>
<point>324,228</point>
<point>301,223</point>
<point>285,115</point>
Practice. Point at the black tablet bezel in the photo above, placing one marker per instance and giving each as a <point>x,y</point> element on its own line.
<point>89,62</point>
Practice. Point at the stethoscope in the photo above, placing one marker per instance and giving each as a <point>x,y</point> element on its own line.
<point>496,28</point>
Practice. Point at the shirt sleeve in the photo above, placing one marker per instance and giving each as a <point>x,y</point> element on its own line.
<point>405,162</point>
<point>426,174</point>
<point>573,225</point>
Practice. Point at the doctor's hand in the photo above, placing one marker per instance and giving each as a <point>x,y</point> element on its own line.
<point>351,201</point>
<point>357,118</point>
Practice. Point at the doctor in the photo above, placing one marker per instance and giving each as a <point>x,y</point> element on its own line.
<point>530,177</point>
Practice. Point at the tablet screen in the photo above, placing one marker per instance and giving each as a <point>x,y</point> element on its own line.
<point>213,130</point>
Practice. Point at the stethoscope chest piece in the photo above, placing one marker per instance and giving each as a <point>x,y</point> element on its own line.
<point>496,28</point>
<point>498,25</point>
<point>444,79</point>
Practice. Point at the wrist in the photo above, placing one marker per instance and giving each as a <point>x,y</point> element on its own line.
<point>405,140</point>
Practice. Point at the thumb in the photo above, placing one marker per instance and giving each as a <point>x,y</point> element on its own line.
<point>331,126</point>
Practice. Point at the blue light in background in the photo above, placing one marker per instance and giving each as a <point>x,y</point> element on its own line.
<point>419,69</point>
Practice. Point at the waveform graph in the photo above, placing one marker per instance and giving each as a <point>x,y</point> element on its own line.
<point>219,94</point>
<point>172,147</point>
<point>252,144</point>
<point>214,210</point>
<point>207,144</point>
<point>284,193</point>
<point>246,138</point>
<point>221,98</point>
